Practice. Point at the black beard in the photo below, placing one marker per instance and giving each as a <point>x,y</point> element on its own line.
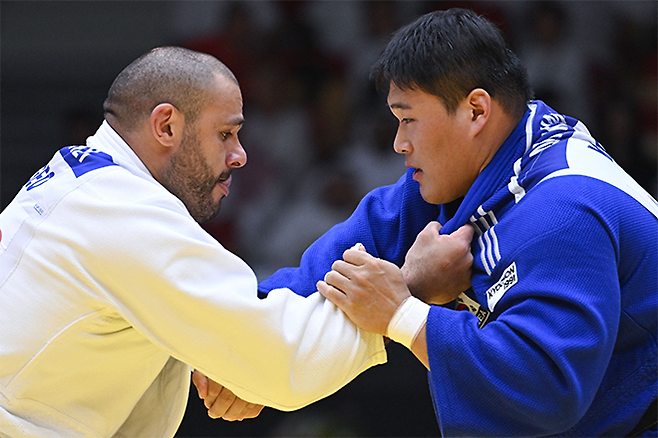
<point>189,179</point>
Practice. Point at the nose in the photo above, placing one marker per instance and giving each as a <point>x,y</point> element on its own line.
<point>401,144</point>
<point>237,156</point>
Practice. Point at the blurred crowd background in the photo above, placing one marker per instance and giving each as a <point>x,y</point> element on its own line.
<point>317,134</point>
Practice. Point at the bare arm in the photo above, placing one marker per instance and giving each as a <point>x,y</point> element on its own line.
<point>419,347</point>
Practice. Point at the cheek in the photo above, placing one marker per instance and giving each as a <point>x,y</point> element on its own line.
<point>217,159</point>
<point>215,155</point>
<point>431,135</point>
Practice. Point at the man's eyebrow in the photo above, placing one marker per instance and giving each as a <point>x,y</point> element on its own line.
<point>399,105</point>
<point>238,121</point>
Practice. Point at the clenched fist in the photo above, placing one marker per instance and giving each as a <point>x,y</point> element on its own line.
<point>437,268</point>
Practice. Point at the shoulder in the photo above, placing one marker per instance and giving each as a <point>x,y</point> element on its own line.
<point>588,174</point>
<point>559,146</point>
<point>87,187</point>
<point>88,175</point>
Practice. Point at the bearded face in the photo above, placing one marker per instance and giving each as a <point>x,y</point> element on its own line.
<point>190,178</point>
<point>199,171</point>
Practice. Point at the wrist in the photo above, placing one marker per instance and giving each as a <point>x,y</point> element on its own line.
<point>407,321</point>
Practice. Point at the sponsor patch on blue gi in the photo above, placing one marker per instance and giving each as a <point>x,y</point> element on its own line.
<point>83,159</point>
<point>507,279</point>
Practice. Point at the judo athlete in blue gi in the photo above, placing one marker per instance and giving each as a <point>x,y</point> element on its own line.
<point>557,333</point>
<point>561,336</point>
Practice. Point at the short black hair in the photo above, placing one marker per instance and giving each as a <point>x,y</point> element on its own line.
<point>448,54</point>
<point>169,74</point>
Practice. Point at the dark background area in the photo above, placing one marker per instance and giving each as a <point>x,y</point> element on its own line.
<point>317,134</point>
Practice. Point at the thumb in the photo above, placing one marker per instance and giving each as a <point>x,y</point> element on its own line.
<point>464,232</point>
<point>201,382</point>
<point>433,226</point>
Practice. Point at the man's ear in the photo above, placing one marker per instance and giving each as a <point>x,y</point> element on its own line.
<point>167,124</point>
<point>479,102</point>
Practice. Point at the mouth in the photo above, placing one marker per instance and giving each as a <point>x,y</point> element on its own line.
<point>224,182</point>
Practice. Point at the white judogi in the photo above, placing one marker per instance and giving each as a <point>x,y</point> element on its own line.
<point>110,292</point>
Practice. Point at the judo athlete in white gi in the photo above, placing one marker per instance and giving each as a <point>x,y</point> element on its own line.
<point>110,291</point>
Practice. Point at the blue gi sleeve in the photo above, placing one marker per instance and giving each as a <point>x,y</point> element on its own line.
<point>386,222</point>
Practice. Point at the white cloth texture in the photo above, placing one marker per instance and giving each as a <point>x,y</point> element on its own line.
<point>110,292</point>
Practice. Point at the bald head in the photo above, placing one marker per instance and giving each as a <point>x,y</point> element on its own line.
<point>172,75</point>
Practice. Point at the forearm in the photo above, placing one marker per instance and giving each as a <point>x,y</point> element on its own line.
<point>419,347</point>
<point>408,327</point>
<point>290,352</point>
